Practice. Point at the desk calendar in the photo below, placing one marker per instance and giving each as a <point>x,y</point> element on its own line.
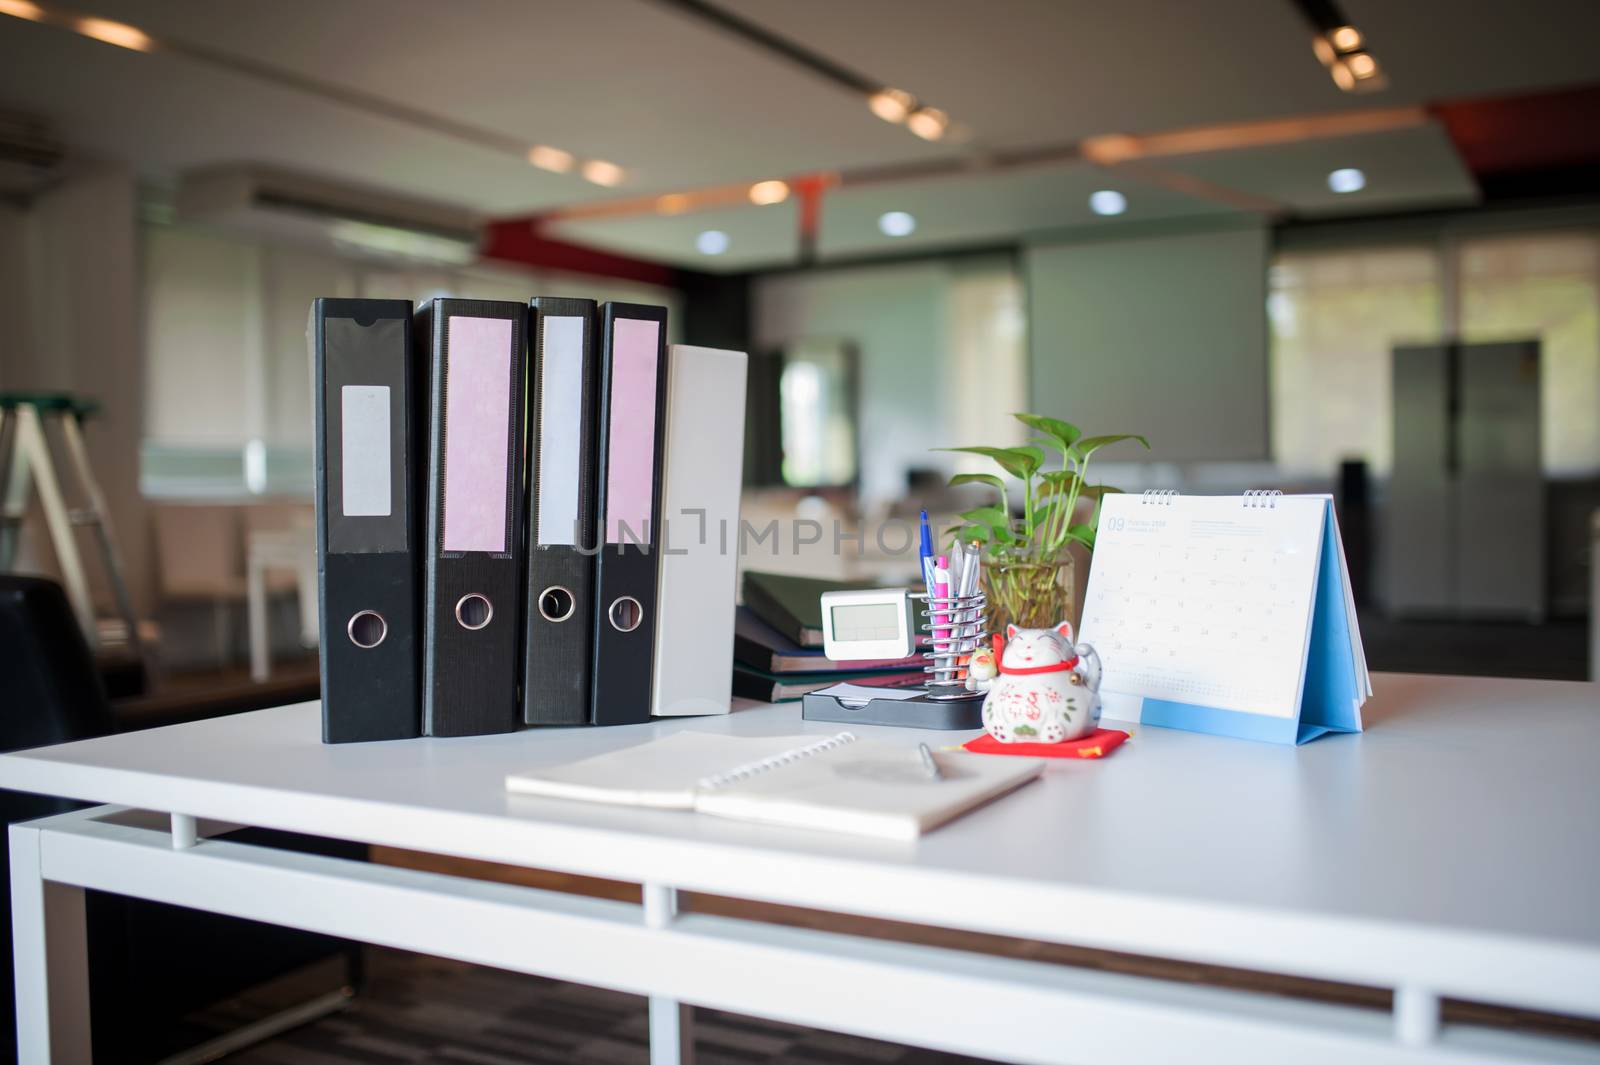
<point>1230,615</point>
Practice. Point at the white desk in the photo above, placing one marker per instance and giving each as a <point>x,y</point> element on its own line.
<point>1452,850</point>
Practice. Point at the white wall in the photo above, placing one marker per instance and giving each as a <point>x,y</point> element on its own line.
<point>68,275</point>
<point>1160,335</point>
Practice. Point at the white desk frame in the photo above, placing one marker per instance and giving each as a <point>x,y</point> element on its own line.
<point>993,1007</point>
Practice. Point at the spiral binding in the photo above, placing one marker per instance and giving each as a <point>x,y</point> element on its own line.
<point>754,769</point>
<point>1262,498</point>
<point>1158,497</point>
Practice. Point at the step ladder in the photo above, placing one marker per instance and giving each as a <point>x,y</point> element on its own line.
<point>27,463</point>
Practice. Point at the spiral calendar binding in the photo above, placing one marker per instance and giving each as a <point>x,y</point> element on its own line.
<point>752,769</point>
<point>1262,498</point>
<point>1158,497</point>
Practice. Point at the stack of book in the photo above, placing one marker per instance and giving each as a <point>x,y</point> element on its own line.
<point>777,642</point>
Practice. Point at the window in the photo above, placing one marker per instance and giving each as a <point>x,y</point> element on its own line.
<point>1545,286</point>
<point>1334,317</point>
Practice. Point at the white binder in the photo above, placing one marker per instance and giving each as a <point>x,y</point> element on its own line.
<point>703,468</point>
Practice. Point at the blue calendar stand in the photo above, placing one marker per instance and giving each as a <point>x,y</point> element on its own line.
<point>1332,690</point>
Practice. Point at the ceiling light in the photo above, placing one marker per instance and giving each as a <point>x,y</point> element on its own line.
<point>712,242</point>
<point>896,224</point>
<point>892,105</point>
<point>1342,76</point>
<point>1323,49</point>
<point>763,193</point>
<point>118,33</point>
<point>1362,65</point>
<point>1346,38</point>
<point>673,203</point>
<point>1347,179</point>
<point>22,9</point>
<point>929,123</point>
<point>603,173</point>
<point>553,159</point>
<point>1107,202</point>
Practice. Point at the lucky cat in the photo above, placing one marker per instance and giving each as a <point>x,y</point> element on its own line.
<point>1047,690</point>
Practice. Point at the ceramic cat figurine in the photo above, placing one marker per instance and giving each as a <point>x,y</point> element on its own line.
<point>1048,690</point>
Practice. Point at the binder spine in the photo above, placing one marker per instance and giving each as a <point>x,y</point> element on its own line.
<point>366,503</point>
<point>560,531</point>
<point>633,398</point>
<point>472,610</point>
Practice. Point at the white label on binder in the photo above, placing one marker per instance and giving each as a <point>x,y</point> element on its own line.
<point>364,450</point>
<point>560,425</point>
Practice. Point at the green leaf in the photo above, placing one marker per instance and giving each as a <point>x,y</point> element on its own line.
<point>1090,444</point>
<point>1019,462</point>
<point>1097,491</point>
<point>1063,433</point>
<point>990,516</point>
<point>1056,481</point>
<point>977,478</point>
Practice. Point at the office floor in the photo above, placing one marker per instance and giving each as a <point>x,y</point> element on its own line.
<point>418,1010</point>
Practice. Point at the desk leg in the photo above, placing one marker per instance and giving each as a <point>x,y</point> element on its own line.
<point>50,957</point>
<point>671,1022</point>
<point>255,593</point>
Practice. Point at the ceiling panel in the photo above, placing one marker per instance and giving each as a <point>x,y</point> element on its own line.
<point>949,212</point>
<point>1407,168</point>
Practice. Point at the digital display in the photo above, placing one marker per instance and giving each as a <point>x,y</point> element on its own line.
<point>867,621</point>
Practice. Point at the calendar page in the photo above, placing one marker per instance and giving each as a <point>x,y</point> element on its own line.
<point>1204,600</point>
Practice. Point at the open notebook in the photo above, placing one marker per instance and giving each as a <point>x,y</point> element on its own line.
<point>836,783</point>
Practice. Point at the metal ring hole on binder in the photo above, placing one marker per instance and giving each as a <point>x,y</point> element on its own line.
<point>473,611</point>
<point>625,614</point>
<point>556,603</point>
<point>367,629</point>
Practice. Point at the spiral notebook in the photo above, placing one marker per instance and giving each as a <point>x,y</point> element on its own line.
<point>837,784</point>
<point>1226,614</point>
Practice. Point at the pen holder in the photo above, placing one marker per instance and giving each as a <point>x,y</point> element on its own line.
<point>954,624</point>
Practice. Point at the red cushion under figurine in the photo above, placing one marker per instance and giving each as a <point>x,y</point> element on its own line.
<point>1097,744</point>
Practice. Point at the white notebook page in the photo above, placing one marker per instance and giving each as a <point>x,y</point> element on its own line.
<point>1204,600</point>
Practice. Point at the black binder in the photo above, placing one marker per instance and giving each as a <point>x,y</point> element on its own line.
<point>633,396</point>
<point>365,420</point>
<point>472,586</point>
<point>564,380</point>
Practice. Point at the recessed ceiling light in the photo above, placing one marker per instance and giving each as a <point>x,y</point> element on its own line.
<point>896,224</point>
<point>763,193</point>
<point>1107,202</point>
<point>552,159</point>
<point>712,242</point>
<point>1346,38</point>
<point>603,173</point>
<point>118,33</point>
<point>1347,179</point>
<point>891,105</point>
<point>22,9</point>
<point>929,123</point>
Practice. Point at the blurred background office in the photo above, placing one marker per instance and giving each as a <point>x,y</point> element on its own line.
<point>1345,247</point>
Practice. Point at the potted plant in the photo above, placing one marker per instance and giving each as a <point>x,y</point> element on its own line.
<point>1028,567</point>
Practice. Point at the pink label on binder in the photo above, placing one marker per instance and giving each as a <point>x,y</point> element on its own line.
<point>631,443</point>
<point>477,424</point>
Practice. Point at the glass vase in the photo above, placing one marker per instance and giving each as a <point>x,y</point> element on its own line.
<point>1029,588</point>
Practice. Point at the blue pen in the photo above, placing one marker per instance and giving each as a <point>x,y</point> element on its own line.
<point>927,555</point>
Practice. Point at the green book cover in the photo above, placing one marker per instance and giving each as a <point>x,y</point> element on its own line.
<point>793,605</point>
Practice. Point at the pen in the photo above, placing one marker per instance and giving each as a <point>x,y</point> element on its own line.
<point>929,763</point>
<point>941,590</point>
<point>926,555</point>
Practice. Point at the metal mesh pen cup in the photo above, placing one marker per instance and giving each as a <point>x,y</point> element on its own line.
<point>954,626</point>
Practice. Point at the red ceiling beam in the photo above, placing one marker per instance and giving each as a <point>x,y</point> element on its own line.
<point>518,241</point>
